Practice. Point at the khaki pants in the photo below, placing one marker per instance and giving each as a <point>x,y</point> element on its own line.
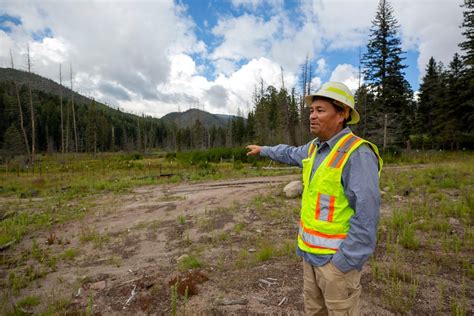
<point>328,291</point>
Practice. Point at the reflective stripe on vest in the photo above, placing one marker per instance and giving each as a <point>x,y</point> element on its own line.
<point>324,207</point>
<point>316,239</point>
<point>349,141</point>
<point>311,149</point>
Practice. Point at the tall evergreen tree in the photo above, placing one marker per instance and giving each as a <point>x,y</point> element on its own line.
<point>468,45</point>
<point>429,103</point>
<point>467,106</point>
<point>383,71</point>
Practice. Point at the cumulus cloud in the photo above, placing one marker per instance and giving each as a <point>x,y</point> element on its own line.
<point>142,56</point>
<point>217,96</point>
<point>434,32</point>
<point>348,75</point>
<point>429,27</point>
<point>123,43</point>
<point>244,37</point>
<point>322,67</point>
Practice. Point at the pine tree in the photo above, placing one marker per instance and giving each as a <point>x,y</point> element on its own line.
<point>383,71</point>
<point>429,103</point>
<point>468,45</point>
<point>13,142</point>
<point>467,104</point>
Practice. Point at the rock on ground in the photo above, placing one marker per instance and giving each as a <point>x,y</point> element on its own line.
<point>293,189</point>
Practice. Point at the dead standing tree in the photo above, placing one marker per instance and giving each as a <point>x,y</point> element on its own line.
<point>20,110</point>
<point>61,109</point>
<point>73,114</point>
<point>32,111</point>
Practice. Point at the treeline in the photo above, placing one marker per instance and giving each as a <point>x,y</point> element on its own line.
<point>440,116</point>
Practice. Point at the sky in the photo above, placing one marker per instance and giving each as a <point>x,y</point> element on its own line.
<point>154,57</point>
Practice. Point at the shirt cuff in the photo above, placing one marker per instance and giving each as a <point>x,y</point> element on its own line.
<point>341,262</point>
<point>264,151</point>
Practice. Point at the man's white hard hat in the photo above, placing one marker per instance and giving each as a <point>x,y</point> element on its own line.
<point>340,94</point>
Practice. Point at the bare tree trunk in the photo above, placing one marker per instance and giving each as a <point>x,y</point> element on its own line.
<point>67,129</point>
<point>310,78</point>
<point>61,106</point>
<point>22,126</point>
<point>11,59</point>
<point>112,145</point>
<point>73,115</point>
<point>33,129</point>
<point>20,111</point>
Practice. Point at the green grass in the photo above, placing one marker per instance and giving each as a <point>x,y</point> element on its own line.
<point>69,254</point>
<point>426,202</point>
<point>190,262</point>
<point>239,227</point>
<point>92,235</point>
<point>264,253</point>
<point>38,198</point>
<point>29,301</point>
<point>424,242</point>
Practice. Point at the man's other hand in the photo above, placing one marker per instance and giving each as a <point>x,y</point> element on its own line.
<point>254,150</point>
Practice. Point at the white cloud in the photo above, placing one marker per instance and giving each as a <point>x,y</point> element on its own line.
<point>128,43</point>
<point>139,55</point>
<point>348,75</point>
<point>226,94</point>
<point>244,37</point>
<point>431,27</point>
<point>344,24</point>
<point>322,67</point>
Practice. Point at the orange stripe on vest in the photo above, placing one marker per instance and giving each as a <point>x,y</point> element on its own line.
<point>319,234</point>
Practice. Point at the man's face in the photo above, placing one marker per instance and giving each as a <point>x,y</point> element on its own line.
<point>325,121</point>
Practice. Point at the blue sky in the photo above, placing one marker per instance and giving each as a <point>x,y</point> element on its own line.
<point>155,57</point>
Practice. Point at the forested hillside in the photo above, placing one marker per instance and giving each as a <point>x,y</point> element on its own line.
<point>95,126</point>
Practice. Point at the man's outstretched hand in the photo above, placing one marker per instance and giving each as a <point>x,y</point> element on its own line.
<point>254,150</point>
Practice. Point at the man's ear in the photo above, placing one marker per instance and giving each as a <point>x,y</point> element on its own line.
<point>344,115</point>
<point>346,112</point>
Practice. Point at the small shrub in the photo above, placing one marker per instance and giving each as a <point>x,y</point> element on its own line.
<point>265,253</point>
<point>189,262</point>
<point>408,238</point>
<point>69,254</point>
<point>181,220</point>
<point>29,301</point>
<point>239,227</point>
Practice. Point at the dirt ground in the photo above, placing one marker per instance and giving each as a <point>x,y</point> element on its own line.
<point>137,241</point>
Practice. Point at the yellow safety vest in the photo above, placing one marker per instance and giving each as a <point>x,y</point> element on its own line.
<point>325,210</point>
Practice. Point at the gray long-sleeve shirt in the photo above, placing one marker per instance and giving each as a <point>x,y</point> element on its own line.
<point>361,185</point>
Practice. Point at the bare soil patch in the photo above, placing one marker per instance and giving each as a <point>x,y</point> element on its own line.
<point>129,248</point>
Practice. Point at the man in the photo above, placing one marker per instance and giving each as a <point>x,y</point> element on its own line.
<point>340,203</point>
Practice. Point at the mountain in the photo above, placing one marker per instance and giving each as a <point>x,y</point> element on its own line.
<point>96,127</point>
<point>49,86</point>
<point>180,119</point>
<point>188,118</point>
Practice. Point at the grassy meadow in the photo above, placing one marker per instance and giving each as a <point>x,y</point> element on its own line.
<point>423,263</point>
<point>60,189</point>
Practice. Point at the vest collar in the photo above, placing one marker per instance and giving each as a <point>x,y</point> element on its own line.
<point>333,140</point>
